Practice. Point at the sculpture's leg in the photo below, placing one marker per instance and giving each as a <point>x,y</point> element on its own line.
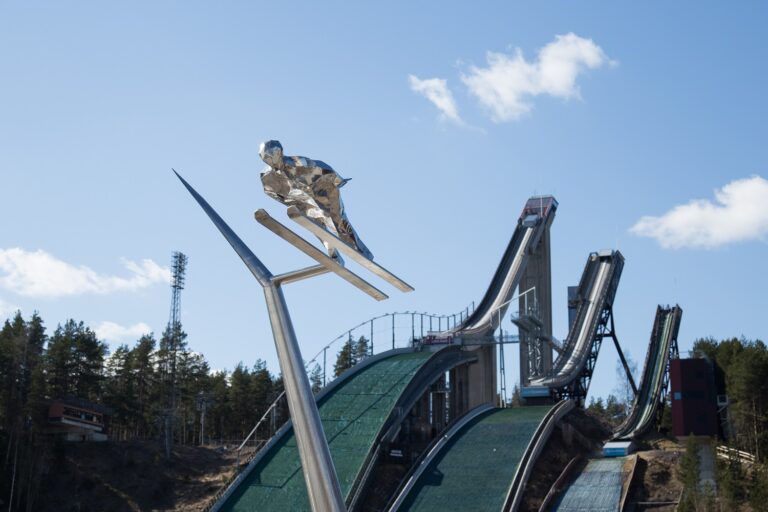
<point>319,472</point>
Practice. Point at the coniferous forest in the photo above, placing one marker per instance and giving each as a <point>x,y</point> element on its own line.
<point>140,386</point>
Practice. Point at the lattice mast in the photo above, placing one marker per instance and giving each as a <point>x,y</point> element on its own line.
<point>178,271</point>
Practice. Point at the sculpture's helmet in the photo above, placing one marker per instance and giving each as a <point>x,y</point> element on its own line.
<point>271,152</point>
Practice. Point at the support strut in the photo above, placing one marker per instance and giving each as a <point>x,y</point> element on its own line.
<point>612,335</point>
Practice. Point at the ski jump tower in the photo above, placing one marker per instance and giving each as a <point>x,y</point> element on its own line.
<point>525,266</point>
<point>534,318</point>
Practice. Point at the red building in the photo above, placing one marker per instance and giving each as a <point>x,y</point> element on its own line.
<point>78,420</point>
<point>694,409</point>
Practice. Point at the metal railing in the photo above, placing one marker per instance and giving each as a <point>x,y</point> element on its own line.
<point>728,453</point>
<point>389,331</point>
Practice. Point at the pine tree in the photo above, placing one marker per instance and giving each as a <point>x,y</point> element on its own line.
<point>614,410</point>
<point>345,358</point>
<point>261,388</point>
<point>145,385</point>
<point>219,412</point>
<point>362,349</point>
<point>597,407</point>
<point>59,360</point>
<point>88,356</point>
<point>192,386</point>
<point>730,480</point>
<point>516,400</point>
<point>688,473</point>
<point>118,391</point>
<point>8,373</point>
<point>316,378</point>
<point>35,407</point>
<point>74,362</point>
<point>22,411</point>
<point>172,344</point>
<point>14,371</point>
<point>34,378</point>
<point>240,402</point>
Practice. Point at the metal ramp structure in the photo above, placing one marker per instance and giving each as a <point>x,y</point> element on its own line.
<point>358,410</point>
<point>572,371</point>
<point>531,231</point>
<point>654,384</point>
<point>527,248</point>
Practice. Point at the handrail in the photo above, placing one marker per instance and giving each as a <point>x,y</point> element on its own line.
<point>258,423</point>
<point>498,309</point>
<point>344,335</point>
<point>557,487</point>
<point>725,452</point>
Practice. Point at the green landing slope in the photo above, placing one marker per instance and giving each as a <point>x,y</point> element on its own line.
<point>475,468</point>
<point>598,488</point>
<point>352,415</point>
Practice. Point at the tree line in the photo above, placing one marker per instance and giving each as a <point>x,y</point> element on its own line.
<point>741,371</point>
<point>144,386</point>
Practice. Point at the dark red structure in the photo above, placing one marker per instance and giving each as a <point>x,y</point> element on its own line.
<point>694,409</point>
<point>78,420</point>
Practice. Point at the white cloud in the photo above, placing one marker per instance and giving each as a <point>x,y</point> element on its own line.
<point>509,82</point>
<point>39,274</point>
<point>739,213</point>
<point>436,90</point>
<point>113,332</point>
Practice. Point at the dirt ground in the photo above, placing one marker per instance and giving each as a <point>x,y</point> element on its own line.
<point>133,476</point>
<point>655,480</point>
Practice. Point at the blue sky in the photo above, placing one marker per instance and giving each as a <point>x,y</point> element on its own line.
<point>644,109</point>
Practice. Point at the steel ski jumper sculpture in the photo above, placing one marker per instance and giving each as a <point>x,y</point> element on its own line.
<point>310,189</point>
